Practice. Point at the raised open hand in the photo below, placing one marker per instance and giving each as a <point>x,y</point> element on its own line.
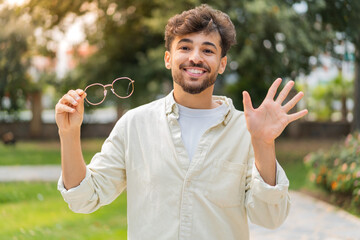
<point>269,120</point>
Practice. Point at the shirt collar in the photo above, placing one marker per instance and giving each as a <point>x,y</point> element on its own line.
<point>170,104</point>
<point>172,108</point>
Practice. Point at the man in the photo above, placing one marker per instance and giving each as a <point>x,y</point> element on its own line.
<point>194,167</point>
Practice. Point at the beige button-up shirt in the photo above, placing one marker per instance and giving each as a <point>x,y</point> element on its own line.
<point>169,197</point>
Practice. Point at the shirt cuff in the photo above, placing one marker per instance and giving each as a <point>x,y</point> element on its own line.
<point>84,190</point>
<point>266,192</point>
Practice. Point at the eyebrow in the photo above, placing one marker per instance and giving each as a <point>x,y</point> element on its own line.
<point>186,40</point>
<point>210,44</point>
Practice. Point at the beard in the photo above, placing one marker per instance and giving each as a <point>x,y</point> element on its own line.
<point>196,87</point>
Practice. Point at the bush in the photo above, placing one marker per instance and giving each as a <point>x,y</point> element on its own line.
<point>338,170</point>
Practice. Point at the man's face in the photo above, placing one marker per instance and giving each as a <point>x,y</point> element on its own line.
<point>195,61</point>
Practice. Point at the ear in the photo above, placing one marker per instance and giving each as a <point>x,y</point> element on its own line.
<point>167,59</point>
<point>222,66</point>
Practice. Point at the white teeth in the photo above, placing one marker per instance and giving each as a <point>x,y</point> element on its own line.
<point>194,71</point>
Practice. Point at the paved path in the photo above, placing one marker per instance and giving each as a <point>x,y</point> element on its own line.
<point>309,218</point>
<point>29,173</point>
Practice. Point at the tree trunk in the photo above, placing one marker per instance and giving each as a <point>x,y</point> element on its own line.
<point>356,111</point>
<point>36,109</point>
<point>344,110</point>
<point>119,111</point>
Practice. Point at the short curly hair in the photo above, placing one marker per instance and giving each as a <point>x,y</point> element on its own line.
<point>201,19</point>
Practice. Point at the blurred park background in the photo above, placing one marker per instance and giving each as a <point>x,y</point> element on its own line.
<point>48,47</point>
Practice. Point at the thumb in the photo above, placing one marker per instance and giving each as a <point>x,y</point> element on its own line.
<point>248,107</point>
<point>80,106</point>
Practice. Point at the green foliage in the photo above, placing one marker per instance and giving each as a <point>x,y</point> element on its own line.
<point>321,98</point>
<point>18,45</point>
<point>338,170</point>
<point>14,81</point>
<point>343,16</point>
<point>273,41</point>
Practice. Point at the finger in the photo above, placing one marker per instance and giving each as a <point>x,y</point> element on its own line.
<point>296,116</point>
<point>80,92</point>
<point>284,93</point>
<point>61,108</point>
<point>247,102</point>
<point>290,104</point>
<point>80,107</point>
<point>74,94</point>
<point>68,99</point>
<point>273,89</point>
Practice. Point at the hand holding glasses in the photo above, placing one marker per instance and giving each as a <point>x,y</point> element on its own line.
<point>122,87</point>
<point>69,110</point>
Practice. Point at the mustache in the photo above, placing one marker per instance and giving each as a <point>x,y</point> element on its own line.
<point>198,65</point>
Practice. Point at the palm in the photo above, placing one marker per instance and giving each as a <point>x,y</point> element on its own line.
<point>67,120</point>
<point>269,120</point>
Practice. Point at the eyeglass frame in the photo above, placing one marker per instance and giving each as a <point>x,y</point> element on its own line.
<point>112,90</point>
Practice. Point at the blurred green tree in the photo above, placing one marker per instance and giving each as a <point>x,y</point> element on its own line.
<point>14,81</point>
<point>273,41</point>
<point>342,16</point>
<point>17,48</point>
<point>323,98</point>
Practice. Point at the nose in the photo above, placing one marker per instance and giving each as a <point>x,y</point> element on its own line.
<point>195,56</point>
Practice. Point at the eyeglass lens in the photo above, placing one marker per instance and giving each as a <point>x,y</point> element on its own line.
<point>122,87</point>
<point>95,93</point>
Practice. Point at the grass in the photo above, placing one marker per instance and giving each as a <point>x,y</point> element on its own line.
<point>43,153</point>
<point>290,154</point>
<point>37,210</point>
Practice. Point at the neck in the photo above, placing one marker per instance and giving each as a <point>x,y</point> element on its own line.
<point>201,100</point>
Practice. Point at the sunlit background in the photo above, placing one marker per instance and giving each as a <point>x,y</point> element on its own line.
<point>48,47</point>
<point>15,2</point>
<point>63,43</point>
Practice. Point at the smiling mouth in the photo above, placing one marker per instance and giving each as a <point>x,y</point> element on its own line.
<point>194,72</point>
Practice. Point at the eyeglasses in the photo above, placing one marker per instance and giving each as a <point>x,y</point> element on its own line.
<point>122,87</point>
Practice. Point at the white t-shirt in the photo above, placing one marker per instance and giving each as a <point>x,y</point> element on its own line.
<point>194,123</point>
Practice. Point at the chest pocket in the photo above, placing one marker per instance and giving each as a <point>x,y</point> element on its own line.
<point>227,187</point>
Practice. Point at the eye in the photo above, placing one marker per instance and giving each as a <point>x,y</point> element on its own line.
<point>184,48</point>
<point>208,51</point>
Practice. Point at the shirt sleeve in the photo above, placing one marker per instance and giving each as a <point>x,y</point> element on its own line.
<point>105,177</point>
<point>267,205</point>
